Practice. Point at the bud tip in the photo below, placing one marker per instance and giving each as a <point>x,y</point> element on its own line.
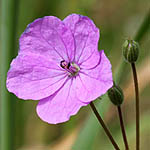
<point>130,50</point>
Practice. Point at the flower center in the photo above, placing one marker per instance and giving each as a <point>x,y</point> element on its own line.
<point>71,68</point>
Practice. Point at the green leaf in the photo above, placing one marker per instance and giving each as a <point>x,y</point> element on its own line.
<point>8,36</point>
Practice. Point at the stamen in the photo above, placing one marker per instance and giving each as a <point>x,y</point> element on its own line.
<point>71,68</point>
<point>68,65</point>
<point>63,64</point>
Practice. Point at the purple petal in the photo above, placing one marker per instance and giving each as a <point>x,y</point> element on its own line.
<point>94,82</point>
<point>32,76</point>
<point>91,62</point>
<point>60,106</point>
<point>49,37</point>
<point>86,36</point>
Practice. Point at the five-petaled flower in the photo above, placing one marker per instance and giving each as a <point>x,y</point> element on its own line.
<point>59,64</point>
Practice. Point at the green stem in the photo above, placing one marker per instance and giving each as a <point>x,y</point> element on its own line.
<point>123,128</point>
<point>104,126</point>
<point>8,31</point>
<point>137,106</point>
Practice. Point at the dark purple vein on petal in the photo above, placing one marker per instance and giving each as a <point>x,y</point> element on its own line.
<point>50,85</point>
<point>83,84</point>
<point>74,40</point>
<point>68,95</point>
<point>54,94</point>
<point>45,78</point>
<point>95,65</point>
<point>83,46</point>
<point>87,58</point>
<point>48,42</point>
<point>88,75</point>
<point>63,42</point>
<point>94,77</point>
<point>85,88</point>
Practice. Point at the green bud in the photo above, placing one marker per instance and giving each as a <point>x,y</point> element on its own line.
<point>115,95</point>
<point>130,50</point>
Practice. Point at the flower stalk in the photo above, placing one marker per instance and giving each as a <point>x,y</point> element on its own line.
<point>122,128</point>
<point>131,52</point>
<point>137,106</point>
<point>116,96</point>
<point>104,126</point>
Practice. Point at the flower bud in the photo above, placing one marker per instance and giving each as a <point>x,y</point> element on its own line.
<point>130,50</point>
<point>115,95</point>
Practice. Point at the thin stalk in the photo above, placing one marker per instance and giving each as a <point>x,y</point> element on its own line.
<point>137,106</point>
<point>122,128</point>
<point>104,126</point>
<point>8,32</point>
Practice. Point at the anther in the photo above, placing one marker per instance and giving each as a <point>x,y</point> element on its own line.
<point>63,64</point>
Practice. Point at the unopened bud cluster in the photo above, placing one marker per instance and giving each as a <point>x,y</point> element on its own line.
<point>130,50</point>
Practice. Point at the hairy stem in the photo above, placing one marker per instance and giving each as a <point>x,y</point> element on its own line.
<point>104,126</point>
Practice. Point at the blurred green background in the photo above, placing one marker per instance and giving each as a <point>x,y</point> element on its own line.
<point>117,21</point>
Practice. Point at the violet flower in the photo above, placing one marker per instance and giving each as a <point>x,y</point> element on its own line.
<point>59,64</point>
